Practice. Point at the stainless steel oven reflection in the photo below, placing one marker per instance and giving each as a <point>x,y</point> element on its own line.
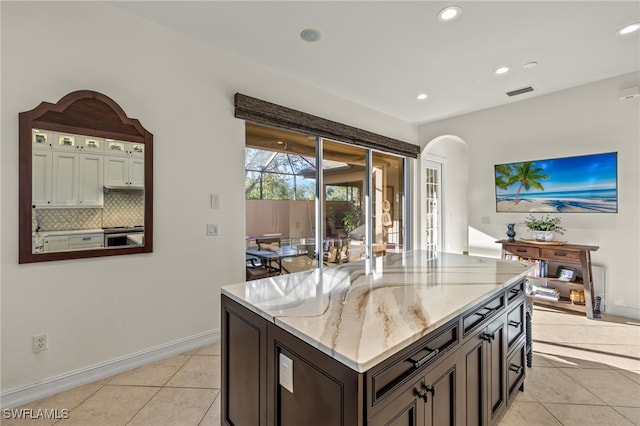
<point>122,236</point>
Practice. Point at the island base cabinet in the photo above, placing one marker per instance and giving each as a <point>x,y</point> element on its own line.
<point>484,360</point>
<point>319,390</point>
<point>272,378</point>
<point>430,401</point>
<point>244,366</point>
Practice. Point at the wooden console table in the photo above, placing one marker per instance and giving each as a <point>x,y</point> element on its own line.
<point>559,254</point>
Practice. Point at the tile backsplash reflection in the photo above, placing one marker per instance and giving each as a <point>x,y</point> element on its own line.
<point>123,209</point>
<point>120,209</point>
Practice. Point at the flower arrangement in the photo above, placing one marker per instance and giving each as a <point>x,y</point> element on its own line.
<point>546,223</point>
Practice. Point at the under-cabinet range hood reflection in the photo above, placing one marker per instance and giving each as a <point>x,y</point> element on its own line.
<point>123,188</point>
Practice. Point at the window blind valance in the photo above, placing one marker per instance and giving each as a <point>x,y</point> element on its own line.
<point>267,113</point>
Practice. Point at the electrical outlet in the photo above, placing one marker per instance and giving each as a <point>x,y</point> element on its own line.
<point>40,342</point>
<point>286,372</point>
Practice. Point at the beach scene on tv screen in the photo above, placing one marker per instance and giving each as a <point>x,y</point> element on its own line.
<point>580,184</point>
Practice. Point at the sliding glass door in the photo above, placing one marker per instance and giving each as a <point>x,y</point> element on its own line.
<point>322,202</point>
<point>344,185</point>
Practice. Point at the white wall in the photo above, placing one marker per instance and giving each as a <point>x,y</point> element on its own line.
<point>455,178</point>
<point>582,120</point>
<point>96,310</point>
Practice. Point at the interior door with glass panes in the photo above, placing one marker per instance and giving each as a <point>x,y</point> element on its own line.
<point>431,211</point>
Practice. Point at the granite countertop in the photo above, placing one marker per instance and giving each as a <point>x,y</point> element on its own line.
<point>363,312</point>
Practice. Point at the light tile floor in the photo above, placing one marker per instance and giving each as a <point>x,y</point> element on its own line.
<point>585,372</point>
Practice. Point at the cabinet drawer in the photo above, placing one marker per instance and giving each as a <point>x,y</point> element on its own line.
<point>516,371</point>
<point>560,254</point>
<point>387,378</point>
<point>86,239</point>
<point>481,315</point>
<point>522,250</point>
<point>515,325</point>
<point>515,291</point>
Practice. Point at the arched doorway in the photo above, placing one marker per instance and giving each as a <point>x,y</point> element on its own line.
<point>444,178</point>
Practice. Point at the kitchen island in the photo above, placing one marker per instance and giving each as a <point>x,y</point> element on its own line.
<point>408,338</point>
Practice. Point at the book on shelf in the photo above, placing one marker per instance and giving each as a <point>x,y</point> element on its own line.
<point>544,293</point>
<point>542,266</point>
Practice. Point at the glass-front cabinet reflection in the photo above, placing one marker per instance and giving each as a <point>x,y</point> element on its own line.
<point>90,188</point>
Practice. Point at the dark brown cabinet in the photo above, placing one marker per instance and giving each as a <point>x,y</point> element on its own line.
<point>484,360</point>
<point>244,376</point>
<point>464,372</point>
<point>429,401</point>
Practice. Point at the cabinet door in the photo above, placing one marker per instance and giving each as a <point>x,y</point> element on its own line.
<point>56,243</point>
<point>136,172</point>
<point>474,362</point>
<point>407,409</point>
<point>64,188</point>
<point>91,180</point>
<point>441,408</point>
<point>41,162</point>
<point>244,366</point>
<point>116,170</point>
<point>496,355</point>
<point>483,359</point>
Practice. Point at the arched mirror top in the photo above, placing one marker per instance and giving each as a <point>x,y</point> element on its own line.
<point>85,180</point>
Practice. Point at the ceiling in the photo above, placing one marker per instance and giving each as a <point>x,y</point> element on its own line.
<point>382,54</point>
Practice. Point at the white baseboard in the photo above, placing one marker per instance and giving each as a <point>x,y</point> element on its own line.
<point>623,311</point>
<point>47,387</point>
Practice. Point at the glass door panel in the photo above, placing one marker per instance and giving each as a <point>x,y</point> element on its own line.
<point>280,181</point>
<point>433,206</point>
<point>344,185</point>
<point>387,191</point>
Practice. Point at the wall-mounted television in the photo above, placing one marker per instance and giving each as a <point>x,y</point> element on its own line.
<point>580,184</point>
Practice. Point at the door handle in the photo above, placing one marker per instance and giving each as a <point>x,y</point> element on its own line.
<point>488,336</point>
<point>516,368</point>
<point>429,388</point>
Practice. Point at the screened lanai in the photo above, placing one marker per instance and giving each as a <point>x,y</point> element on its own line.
<point>281,191</point>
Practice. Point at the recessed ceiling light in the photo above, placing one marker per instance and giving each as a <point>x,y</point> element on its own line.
<point>310,35</point>
<point>501,70</point>
<point>629,29</point>
<point>422,96</point>
<point>450,13</point>
<point>530,65</point>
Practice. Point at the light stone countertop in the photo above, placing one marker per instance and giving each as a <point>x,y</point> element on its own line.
<point>69,232</point>
<point>363,312</point>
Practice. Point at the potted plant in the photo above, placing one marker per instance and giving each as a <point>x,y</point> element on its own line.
<point>543,229</point>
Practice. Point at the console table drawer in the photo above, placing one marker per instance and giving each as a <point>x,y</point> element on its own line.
<point>560,254</point>
<point>522,251</point>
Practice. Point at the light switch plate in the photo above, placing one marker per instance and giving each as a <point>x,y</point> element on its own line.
<point>286,372</point>
<point>212,230</point>
<point>215,201</point>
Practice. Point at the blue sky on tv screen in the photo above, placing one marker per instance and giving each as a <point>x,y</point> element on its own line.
<point>597,172</point>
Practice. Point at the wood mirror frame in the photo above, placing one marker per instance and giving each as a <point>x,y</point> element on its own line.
<point>88,113</point>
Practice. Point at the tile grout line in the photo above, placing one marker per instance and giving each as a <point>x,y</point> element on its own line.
<point>143,405</point>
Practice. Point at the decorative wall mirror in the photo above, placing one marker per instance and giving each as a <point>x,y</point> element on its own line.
<point>86,180</point>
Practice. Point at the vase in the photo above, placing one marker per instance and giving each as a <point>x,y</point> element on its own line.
<point>511,232</point>
<point>542,235</point>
